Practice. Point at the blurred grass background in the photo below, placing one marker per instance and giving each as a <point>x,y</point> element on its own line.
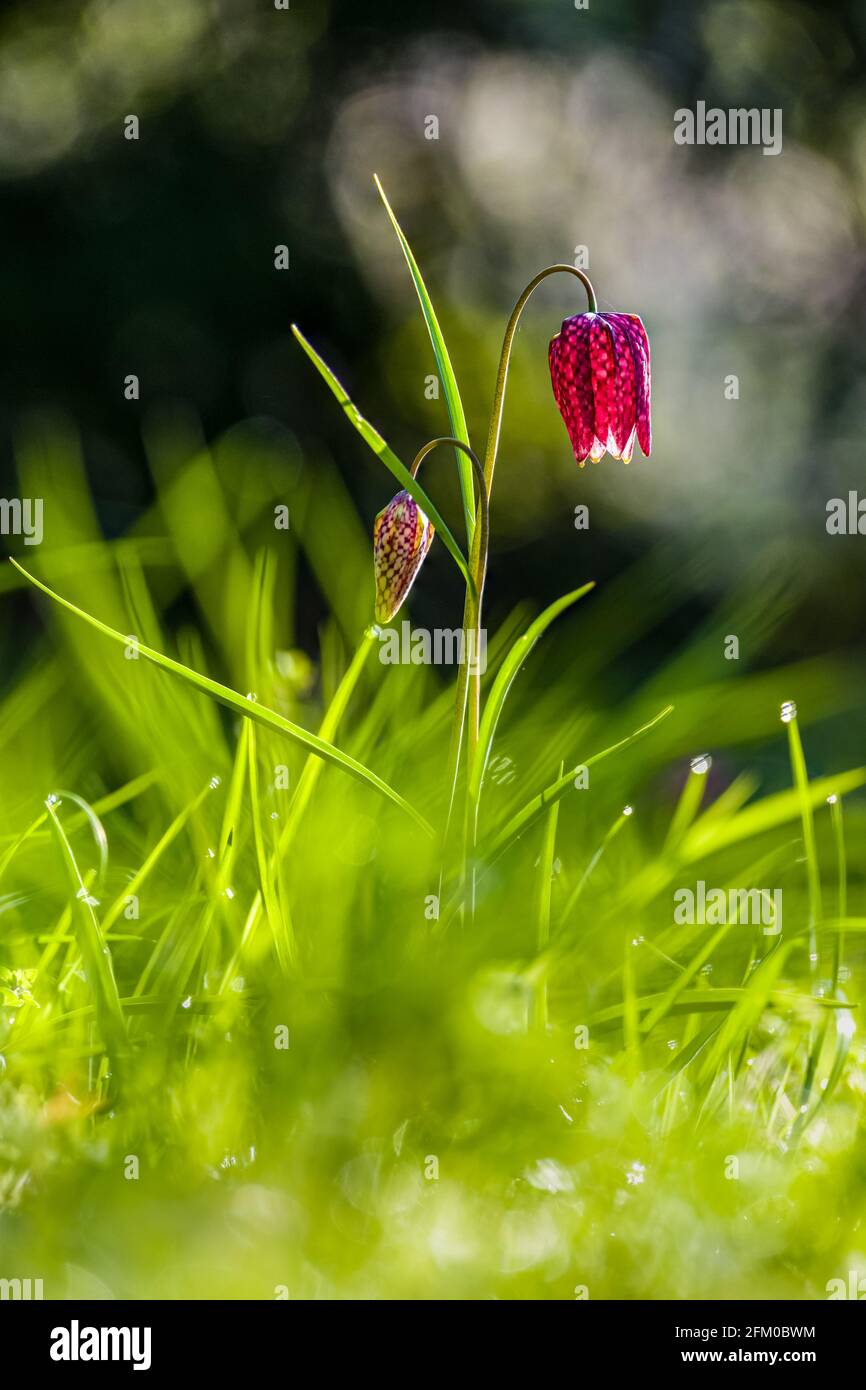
<point>262,1169</point>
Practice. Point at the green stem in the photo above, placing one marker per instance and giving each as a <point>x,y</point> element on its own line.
<point>469,683</point>
<point>842,872</point>
<point>505,358</point>
<point>471,612</point>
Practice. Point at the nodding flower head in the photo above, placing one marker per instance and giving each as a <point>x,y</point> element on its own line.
<point>401,538</point>
<point>600,369</point>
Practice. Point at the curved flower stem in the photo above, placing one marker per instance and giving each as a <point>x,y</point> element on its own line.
<point>505,358</point>
<point>469,683</point>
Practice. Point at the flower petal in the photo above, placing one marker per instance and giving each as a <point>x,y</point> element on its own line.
<point>633,327</point>
<point>571,375</point>
<point>624,417</point>
<point>603,364</point>
<point>402,535</point>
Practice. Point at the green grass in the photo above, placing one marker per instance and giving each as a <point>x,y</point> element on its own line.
<point>234,962</point>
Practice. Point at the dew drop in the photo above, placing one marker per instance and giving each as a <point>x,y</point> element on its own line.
<point>701,764</point>
<point>628,810</point>
<point>214,783</point>
<point>788,711</point>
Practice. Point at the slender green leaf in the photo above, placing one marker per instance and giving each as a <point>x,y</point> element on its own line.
<point>505,679</point>
<point>279,920</point>
<point>543,894</point>
<point>710,1000</point>
<point>534,808</point>
<point>248,708</point>
<point>446,371</point>
<point>371,436</point>
<point>95,953</point>
<point>132,889</point>
<point>709,836</point>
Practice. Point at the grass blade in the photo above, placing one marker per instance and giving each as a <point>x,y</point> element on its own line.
<point>446,371</point>
<point>132,889</point>
<point>371,436</point>
<point>813,872</point>
<point>505,679</point>
<point>328,728</point>
<point>709,836</point>
<point>842,881</point>
<point>536,807</point>
<point>96,955</point>
<point>543,892</point>
<point>701,1001</point>
<point>248,708</point>
<point>278,918</point>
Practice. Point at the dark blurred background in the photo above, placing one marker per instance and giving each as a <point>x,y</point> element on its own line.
<point>261,127</point>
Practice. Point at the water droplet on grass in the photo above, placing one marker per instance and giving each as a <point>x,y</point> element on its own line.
<point>788,711</point>
<point>701,764</point>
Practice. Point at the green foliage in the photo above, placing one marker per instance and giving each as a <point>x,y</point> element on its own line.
<point>342,1073</point>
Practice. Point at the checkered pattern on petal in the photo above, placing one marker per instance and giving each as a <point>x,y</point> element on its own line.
<point>633,327</point>
<point>402,535</point>
<point>603,365</point>
<point>622,430</point>
<point>571,375</point>
<point>600,370</point>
